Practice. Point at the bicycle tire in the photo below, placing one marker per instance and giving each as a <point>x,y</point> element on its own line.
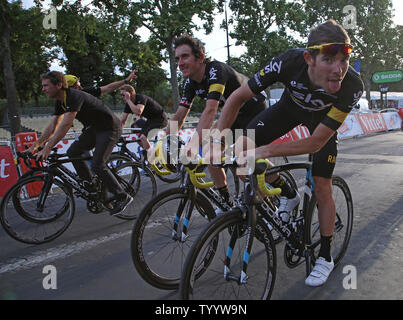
<point>173,177</point>
<point>25,222</point>
<point>143,189</point>
<point>212,285</point>
<point>344,220</point>
<point>157,254</point>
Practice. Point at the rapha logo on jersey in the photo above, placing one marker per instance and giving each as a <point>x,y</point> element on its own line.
<point>260,123</point>
<point>273,66</point>
<point>298,85</point>
<point>213,74</point>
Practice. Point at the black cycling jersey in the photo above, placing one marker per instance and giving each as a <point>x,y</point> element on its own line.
<point>291,69</point>
<point>90,110</point>
<point>93,90</point>
<point>219,81</point>
<point>152,109</point>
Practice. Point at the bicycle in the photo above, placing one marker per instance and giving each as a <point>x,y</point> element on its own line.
<point>167,226</point>
<point>242,255</point>
<point>142,159</point>
<point>40,207</point>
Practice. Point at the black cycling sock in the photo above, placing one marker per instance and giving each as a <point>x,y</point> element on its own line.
<point>325,245</point>
<point>286,190</point>
<point>224,193</point>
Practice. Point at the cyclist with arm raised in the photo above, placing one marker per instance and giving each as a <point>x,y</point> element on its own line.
<point>321,89</point>
<point>74,83</point>
<point>145,107</point>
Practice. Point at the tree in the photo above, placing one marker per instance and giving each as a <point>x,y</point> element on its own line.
<point>7,14</point>
<point>98,42</point>
<point>373,36</point>
<point>274,25</point>
<point>167,19</point>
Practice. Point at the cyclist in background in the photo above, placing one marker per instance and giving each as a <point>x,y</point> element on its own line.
<point>96,91</point>
<point>321,89</point>
<point>101,131</point>
<point>146,108</point>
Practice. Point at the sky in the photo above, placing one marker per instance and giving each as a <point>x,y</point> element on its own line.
<point>216,41</point>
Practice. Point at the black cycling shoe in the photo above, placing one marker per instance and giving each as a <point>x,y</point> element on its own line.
<point>121,203</point>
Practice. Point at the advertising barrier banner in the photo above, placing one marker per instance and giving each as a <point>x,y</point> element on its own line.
<point>8,171</point>
<point>371,122</point>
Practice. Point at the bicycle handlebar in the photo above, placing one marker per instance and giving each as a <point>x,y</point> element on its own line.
<point>195,176</point>
<point>261,181</point>
<point>260,175</point>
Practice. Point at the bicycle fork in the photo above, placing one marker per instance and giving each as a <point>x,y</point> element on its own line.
<point>40,204</point>
<point>188,214</point>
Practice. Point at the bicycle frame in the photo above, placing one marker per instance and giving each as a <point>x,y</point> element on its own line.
<point>290,231</point>
<point>210,193</point>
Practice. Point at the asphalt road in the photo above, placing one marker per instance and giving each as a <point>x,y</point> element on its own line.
<point>92,260</point>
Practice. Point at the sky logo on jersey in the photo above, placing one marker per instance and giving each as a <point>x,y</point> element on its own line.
<point>357,97</point>
<point>213,74</point>
<point>273,66</point>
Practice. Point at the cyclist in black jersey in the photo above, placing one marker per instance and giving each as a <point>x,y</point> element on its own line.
<point>142,106</point>
<point>96,91</point>
<point>321,89</point>
<point>101,131</point>
<point>212,81</point>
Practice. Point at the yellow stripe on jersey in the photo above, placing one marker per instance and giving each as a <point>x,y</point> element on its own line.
<point>337,114</point>
<point>217,87</point>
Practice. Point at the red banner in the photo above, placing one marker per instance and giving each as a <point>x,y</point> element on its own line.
<point>23,141</point>
<point>8,172</point>
<point>371,122</point>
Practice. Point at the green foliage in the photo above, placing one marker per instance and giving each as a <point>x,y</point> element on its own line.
<point>377,43</point>
<point>270,22</point>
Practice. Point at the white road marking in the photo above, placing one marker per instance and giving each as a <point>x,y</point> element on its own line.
<point>59,252</point>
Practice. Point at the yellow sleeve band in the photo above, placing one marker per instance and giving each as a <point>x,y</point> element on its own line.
<point>337,115</point>
<point>217,87</point>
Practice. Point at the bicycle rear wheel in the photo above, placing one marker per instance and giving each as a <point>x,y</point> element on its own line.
<point>343,224</point>
<point>139,183</point>
<point>207,282</point>
<point>158,252</point>
<point>37,209</point>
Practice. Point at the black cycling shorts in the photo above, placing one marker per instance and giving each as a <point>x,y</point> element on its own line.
<point>285,115</point>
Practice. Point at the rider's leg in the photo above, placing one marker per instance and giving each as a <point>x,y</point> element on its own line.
<point>85,142</point>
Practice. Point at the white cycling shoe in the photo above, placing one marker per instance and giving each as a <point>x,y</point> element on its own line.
<point>287,205</point>
<point>320,272</point>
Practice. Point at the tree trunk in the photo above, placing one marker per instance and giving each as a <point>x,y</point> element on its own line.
<point>174,78</point>
<point>11,92</point>
<point>366,77</point>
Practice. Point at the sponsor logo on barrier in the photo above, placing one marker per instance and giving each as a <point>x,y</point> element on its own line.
<point>371,123</point>
<point>8,172</point>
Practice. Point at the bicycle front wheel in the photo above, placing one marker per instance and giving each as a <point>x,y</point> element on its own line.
<point>162,235</point>
<point>37,209</point>
<point>216,280</point>
<point>343,224</point>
